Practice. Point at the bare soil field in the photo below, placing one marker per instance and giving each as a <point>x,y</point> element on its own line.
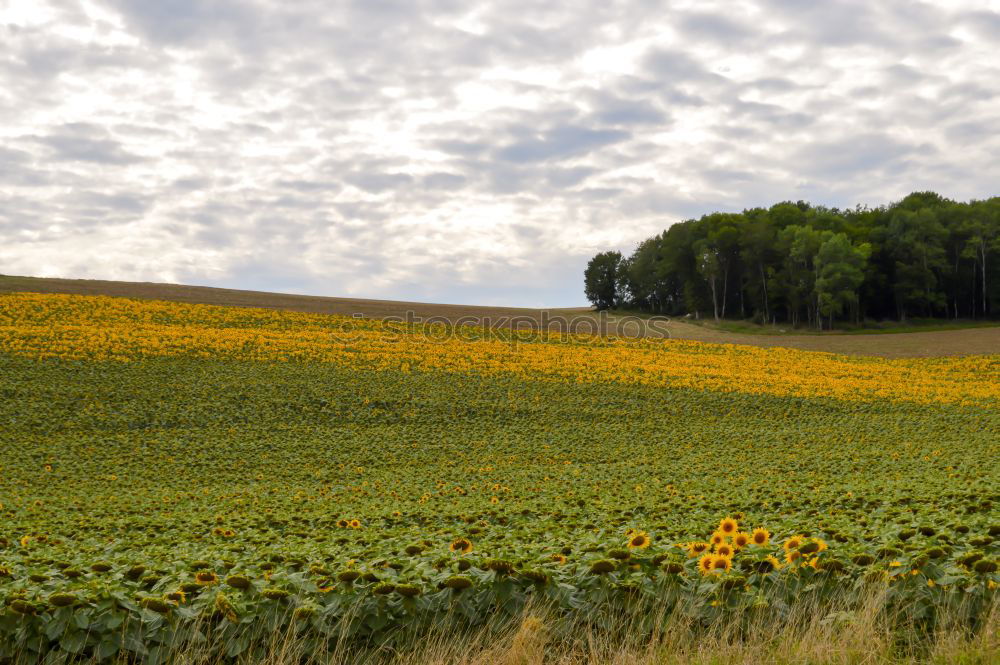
<point>898,345</point>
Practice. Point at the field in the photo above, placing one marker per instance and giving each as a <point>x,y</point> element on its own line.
<point>240,483</point>
<point>923,341</point>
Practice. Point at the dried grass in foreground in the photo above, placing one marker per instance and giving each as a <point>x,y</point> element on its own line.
<point>808,634</point>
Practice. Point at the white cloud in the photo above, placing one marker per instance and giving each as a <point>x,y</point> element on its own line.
<point>429,149</point>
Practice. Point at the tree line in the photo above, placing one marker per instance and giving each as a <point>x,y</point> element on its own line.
<point>923,256</point>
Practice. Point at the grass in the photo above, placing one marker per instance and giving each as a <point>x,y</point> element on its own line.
<point>747,327</point>
<point>827,633</point>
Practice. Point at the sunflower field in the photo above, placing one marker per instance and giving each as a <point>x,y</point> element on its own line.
<point>173,474</point>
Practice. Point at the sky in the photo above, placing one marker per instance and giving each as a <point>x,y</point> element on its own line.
<point>461,151</point>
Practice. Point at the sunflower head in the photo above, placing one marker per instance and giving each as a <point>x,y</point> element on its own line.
<point>705,564</point>
<point>724,550</point>
<point>461,545</point>
<point>695,549</point>
<point>760,536</point>
<point>773,560</point>
<point>639,540</point>
<point>206,577</point>
<point>342,523</point>
<point>721,564</point>
<point>728,526</point>
<point>792,556</point>
<point>793,543</point>
<point>718,537</point>
<point>741,540</point>
<point>355,524</point>
<point>176,597</point>
<point>602,566</point>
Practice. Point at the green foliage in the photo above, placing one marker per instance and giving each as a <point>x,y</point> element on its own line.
<point>601,279</point>
<point>923,256</point>
<point>192,500</point>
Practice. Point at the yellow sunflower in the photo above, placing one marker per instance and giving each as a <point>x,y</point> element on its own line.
<point>718,537</point>
<point>724,549</point>
<point>355,524</point>
<point>774,561</point>
<point>760,536</point>
<point>791,556</point>
<point>639,540</point>
<point>741,540</point>
<point>462,546</point>
<point>793,543</point>
<point>694,549</point>
<point>705,564</point>
<point>722,563</point>
<point>206,578</point>
<point>728,526</point>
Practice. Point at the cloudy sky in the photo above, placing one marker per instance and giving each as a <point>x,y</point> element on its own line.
<point>457,151</point>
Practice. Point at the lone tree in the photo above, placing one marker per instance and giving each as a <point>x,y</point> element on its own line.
<point>601,278</point>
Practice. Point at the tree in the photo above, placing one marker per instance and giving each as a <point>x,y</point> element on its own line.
<point>601,280</point>
<point>927,255</point>
<point>710,268</point>
<point>797,279</point>
<point>758,251</point>
<point>840,270</point>
<point>983,229</point>
<point>916,241</point>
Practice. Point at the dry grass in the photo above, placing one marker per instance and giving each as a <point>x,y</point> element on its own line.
<point>983,340</point>
<point>826,633</point>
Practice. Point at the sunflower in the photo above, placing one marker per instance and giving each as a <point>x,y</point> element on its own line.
<point>355,524</point>
<point>177,596</point>
<point>462,546</point>
<point>760,536</point>
<point>559,558</point>
<point>774,561</point>
<point>821,543</point>
<point>728,526</point>
<point>495,500</point>
<point>793,543</point>
<point>694,549</point>
<point>705,564</point>
<point>724,549</point>
<point>791,556</point>
<point>342,524</point>
<point>741,540</point>
<point>718,537</point>
<point>722,563</point>
<point>639,540</point>
<point>206,577</point>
